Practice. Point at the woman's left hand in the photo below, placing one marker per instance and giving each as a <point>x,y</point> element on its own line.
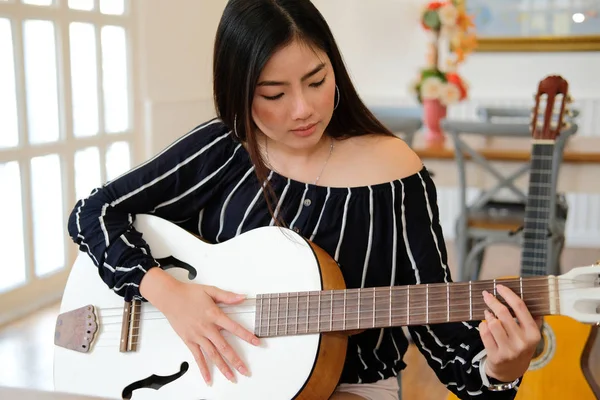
<point>510,345</point>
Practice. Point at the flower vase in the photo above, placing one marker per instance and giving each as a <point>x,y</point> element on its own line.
<point>433,112</point>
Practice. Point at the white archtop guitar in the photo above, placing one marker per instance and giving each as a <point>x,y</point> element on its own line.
<point>297,302</point>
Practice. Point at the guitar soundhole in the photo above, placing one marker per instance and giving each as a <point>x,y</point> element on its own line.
<point>545,349</point>
<point>541,346</point>
<point>154,382</point>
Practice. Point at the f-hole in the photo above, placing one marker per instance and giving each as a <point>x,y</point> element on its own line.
<point>172,262</point>
<point>154,382</point>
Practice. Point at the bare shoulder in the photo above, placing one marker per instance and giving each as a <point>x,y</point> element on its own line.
<point>379,158</point>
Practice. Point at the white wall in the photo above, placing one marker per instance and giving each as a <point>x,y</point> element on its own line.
<point>381,40</point>
<point>384,47</point>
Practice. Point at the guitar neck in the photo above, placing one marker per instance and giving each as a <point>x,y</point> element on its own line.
<point>534,254</point>
<point>282,314</point>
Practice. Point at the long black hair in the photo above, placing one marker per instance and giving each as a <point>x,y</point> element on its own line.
<point>249,33</point>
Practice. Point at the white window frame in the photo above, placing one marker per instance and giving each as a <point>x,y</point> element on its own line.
<point>40,291</point>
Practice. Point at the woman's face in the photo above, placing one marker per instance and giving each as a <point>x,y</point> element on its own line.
<point>294,98</point>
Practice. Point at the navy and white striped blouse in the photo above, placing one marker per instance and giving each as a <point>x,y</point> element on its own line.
<point>381,235</point>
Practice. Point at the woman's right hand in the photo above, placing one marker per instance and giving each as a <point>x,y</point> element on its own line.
<point>192,312</point>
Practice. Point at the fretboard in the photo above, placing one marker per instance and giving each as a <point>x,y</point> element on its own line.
<point>282,314</point>
<point>534,252</point>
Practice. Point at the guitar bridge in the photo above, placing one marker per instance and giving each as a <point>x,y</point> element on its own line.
<point>130,327</point>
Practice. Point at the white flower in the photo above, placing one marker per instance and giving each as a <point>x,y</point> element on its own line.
<point>431,88</point>
<point>450,94</point>
<point>448,15</point>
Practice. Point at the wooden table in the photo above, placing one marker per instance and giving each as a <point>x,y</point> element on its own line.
<point>580,170</point>
<point>579,150</point>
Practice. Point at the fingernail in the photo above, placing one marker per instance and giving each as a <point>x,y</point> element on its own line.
<point>243,370</point>
<point>230,376</point>
<point>488,315</point>
<point>255,341</point>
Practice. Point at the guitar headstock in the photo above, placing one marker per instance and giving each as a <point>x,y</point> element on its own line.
<point>579,294</point>
<point>551,102</point>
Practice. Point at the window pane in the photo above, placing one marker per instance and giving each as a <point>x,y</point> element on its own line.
<point>8,91</point>
<point>115,7</point>
<point>115,85</point>
<point>84,79</point>
<point>87,171</point>
<point>11,234</point>
<point>85,5</point>
<point>118,160</point>
<point>46,196</point>
<point>41,81</point>
<point>39,2</point>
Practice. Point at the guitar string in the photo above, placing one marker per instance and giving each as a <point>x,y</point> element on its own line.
<point>294,328</point>
<point>325,302</point>
<point>415,312</point>
<point>475,286</point>
<point>533,303</point>
<point>353,294</point>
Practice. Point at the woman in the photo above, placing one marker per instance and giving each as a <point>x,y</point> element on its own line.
<point>290,121</point>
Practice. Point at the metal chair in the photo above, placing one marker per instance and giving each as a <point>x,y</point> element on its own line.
<point>488,219</point>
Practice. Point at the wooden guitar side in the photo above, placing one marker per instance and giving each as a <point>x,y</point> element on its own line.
<point>332,349</point>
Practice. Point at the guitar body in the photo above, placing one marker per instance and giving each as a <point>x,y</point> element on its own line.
<point>265,260</point>
<point>565,342</point>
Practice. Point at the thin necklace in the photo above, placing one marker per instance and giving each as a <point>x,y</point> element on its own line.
<point>322,169</point>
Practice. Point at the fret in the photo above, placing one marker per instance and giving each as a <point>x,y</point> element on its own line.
<point>287,307</point>
<point>358,308</point>
<point>521,287</point>
<point>374,312</point>
<point>269,314</point>
<point>408,305</point>
<point>470,301</point>
<point>307,309</point>
<point>277,316</point>
<point>427,303</point>
<point>319,312</point>
<point>297,310</point>
<point>331,314</point>
<point>495,288</point>
<point>344,312</point>
<point>390,313</point>
<point>447,302</point>
<point>260,308</point>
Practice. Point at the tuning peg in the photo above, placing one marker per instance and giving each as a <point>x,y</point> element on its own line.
<point>569,99</point>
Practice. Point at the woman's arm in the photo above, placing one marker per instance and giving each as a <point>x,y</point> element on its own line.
<point>173,185</point>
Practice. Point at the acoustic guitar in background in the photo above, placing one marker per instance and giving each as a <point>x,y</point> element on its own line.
<point>560,368</point>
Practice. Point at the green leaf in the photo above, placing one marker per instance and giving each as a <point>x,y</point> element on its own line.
<point>431,19</point>
<point>428,73</point>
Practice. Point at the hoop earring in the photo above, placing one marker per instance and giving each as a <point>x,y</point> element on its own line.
<point>235,126</point>
<point>338,97</point>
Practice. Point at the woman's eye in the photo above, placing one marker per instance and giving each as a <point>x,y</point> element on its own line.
<point>317,84</point>
<point>273,97</point>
